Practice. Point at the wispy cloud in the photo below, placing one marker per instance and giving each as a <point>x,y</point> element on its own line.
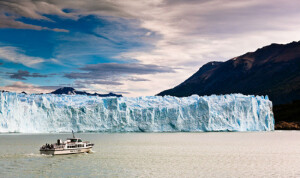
<point>9,22</point>
<point>98,76</point>
<point>110,70</point>
<point>87,83</point>
<point>23,74</point>
<point>11,10</point>
<point>15,55</point>
<point>104,76</point>
<point>137,79</point>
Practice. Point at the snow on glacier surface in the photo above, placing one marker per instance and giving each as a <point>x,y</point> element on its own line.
<point>63,113</point>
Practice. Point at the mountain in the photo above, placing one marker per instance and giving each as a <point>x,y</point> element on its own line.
<point>273,70</point>
<point>65,90</point>
<point>72,91</point>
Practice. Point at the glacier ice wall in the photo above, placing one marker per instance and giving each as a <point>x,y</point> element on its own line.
<point>63,113</point>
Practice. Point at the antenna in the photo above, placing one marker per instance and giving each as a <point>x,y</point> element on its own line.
<point>73,134</point>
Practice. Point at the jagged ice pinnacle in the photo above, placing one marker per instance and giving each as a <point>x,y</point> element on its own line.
<point>63,113</point>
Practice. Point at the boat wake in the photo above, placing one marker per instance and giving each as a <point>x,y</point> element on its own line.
<point>36,155</point>
<point>91,151</point>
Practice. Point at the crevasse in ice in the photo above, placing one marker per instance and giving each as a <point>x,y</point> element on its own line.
<point>63,113</point>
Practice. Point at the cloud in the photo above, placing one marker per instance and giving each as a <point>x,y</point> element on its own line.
<point>86,83</point>
<point>15,55</point>
<point>187,33</point>
<point>23,74</point>
<point>137,79</point>
<point>28,88</point>
<point>11,10</point>
<point>110,70</point>
<point>102,77</point>
<point>37,9</point>
<point>189,30</point>
<point>8,22</point>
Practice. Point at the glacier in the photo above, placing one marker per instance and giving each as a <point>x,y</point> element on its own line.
<point>48,113</point>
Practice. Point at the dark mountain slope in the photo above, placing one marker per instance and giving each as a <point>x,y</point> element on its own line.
<point>272,70</point>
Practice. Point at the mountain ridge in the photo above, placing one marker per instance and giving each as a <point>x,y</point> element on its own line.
<point>72,91</point>
<point>271,70</point>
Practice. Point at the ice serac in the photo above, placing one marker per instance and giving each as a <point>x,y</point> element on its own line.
<point>63,113</point>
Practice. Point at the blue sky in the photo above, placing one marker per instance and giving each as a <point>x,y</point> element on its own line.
<point>129,47</point>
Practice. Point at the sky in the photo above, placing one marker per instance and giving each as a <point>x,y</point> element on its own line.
<point>130,47</point>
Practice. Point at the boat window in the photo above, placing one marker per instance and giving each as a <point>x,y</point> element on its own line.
<point>79,140</point>
<point>73,140</point>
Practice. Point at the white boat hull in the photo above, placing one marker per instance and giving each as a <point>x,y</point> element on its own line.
<point>65,151</point>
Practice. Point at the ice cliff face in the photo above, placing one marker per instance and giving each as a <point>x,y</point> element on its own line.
<point>63,113</point>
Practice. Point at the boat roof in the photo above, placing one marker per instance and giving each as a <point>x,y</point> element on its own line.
<point>72,138</point>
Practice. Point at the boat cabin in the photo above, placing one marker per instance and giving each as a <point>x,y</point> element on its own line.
<point>74,140</point>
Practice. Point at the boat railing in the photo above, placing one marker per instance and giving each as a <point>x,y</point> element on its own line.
<point>52,146</point>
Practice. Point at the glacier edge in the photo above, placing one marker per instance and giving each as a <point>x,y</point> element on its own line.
<point>62,113</point>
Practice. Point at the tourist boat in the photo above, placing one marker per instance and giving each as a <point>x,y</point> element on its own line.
<point>70,146</point>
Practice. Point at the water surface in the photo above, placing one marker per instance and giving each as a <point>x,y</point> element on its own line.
<point>232,154</point>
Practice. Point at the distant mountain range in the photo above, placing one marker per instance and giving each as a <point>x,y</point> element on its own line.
<point>273,70</point>
<point>72,91</point>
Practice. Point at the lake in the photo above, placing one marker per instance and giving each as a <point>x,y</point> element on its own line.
<point>210,154</point>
